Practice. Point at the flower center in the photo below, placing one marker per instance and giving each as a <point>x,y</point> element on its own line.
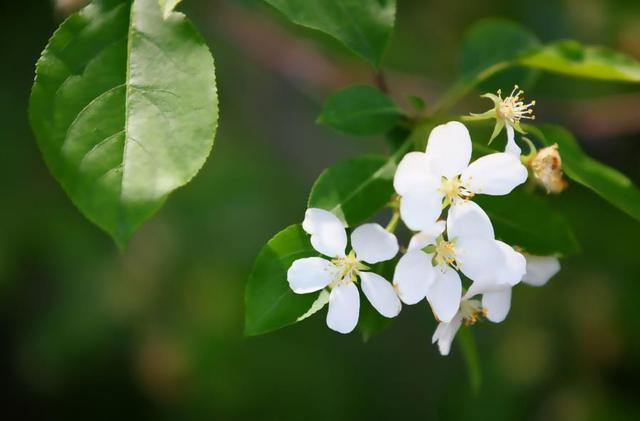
<point>348,268</point>
<point>471,311</point>
<point>452,189</point>
<point>444,253</point>
<point>513,108</point>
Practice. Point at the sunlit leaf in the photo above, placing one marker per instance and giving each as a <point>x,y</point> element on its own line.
<point>269,301</point>
<point>167,6</point>
<point>363,26</point>
<point>355,189</point>
<point>124,108</point>
<point>608,183</point>
<point>574,59</point>
<point>359,110</point>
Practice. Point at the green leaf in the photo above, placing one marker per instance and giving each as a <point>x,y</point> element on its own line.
<point>269,301</point>
<point>359,110</point>
<point>167,6</point>
<point>124,108</point>
<point>492,42</point>
<point>528,221</point>
<point>355,189</point>
<point>573,59</point>
<point>605,181</point>
<point>363,26</point>
<point>470,354</point>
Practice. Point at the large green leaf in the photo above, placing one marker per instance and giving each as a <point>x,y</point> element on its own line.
<point>574,59</point>
<point>167,6</point>
<point>363,26</point>
<point>124,108</point>
<point>528,221</point>
<point>492,42</point>
<point>359,110</point>
<point>607,182</point>
<point>355,189</point>
<point>269,301</point>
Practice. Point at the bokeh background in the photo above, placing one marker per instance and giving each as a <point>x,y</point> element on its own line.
<point>156,332</point>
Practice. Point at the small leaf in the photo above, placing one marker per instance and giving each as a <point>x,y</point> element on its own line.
<point>573,59</point>
<point>167,6</point>
<point>528,221</point>
<point>470,354</point>
<point>605,181</point>
<point>359,110</point>
<point>124,108</point>
<point>362,26</point>
<point>492,42</point>
<point>269,301</point>
<point>354,190</point>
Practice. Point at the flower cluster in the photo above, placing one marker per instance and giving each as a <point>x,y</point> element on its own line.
<point>453,239</point>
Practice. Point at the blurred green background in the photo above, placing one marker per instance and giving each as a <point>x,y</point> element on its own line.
<point>156,332</point>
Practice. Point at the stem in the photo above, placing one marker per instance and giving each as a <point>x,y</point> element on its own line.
<point>381,81</point>
<point>393,223</point>
<point>462,88</point>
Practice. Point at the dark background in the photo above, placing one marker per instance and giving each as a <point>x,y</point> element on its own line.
<point>156,332</point>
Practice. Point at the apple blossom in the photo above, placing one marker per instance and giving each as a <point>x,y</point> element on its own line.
<point>442,175</point>
<point>430,266</point>
<point>370,243</point>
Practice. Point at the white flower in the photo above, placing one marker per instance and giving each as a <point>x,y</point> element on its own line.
<point>428,182</point>
<point>370,243</point>
<point>429,269</point>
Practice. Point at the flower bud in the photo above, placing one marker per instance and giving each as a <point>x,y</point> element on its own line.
<point>547,169</point>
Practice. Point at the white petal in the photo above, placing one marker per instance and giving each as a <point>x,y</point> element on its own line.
<point>328,235</point>
<point>515,265</point>
<point>445,294</point>
<point>427,236</point>
<point>413,173</point>
<point>413,276</point>
<point>310,274</point>
<point>449,149</point>
<point>512,148</point>
<point>373,244</point>
<point>496,174</point>
<point>419,209</point>
<point>344,308</point>
<point>479,259</point>
<point>509,272</point>
<point>540,269</point>
<point>445,332</point>
<point>467,219</point>
<point>380,294</point>
<point>497,304</point>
